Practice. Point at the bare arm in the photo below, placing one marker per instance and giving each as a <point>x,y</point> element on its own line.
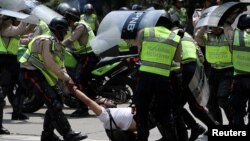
<point>96,108</point>
<point>199,36</point>
<point>49,62</point>
<point>75,35</point>
<point>9,30</point>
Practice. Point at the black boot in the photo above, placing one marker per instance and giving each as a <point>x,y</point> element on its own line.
<point>18,104</point>
<point>62,125</point>
<point>2,129</point>
<point>19,116</point>
<point>49,136</point>
<point>74,136</point>
<point>196,131</point>
<point>81,111</point>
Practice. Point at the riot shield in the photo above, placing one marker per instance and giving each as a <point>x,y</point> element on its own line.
<point>199,85</point>
<point>14,5</point>
<point>118,25</point>
<point>33,8</point>
<point>205,19</point>
<point>20,16</point>
<point>215,16</point>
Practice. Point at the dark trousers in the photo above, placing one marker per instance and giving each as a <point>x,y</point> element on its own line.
<point>84,67</point>
<point>34,81</point>
<point>220,89</point>
<point>9,72</point>
<point>239,98</point>
<point>158,87</point>
<point>187,97</point>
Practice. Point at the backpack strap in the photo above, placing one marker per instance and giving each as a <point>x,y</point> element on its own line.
<point>111,119</point>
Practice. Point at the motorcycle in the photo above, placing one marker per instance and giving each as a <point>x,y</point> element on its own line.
<point>31,102</point>
<point>113,78</point>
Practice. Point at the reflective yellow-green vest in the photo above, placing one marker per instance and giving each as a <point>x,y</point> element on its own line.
<point>36,59</point>
<point>158,50</point>
<point>44,31</point>
<point>123,46</point>
<point>189,49</point>
<point>84,49</point>
<point>218,52</point>
<point>13,45</point>
<point>241,52</point>
<point>44,28</point>
<point>2,46</point>
<point>91,20</point>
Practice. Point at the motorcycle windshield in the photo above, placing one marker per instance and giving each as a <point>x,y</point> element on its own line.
<point>118,25</point>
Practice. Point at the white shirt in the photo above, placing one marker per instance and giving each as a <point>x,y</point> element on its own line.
<point>123,118</point>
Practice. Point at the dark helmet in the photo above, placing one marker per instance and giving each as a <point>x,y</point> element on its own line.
<point>72,14</point>
<point>124,8</point>
<point>165,20</point>
<point>244,21</point>
<point>136,7</point>
<point>59,25</point>
<point>175,1</point>
<point>62,8</point>
<point>88,8</point>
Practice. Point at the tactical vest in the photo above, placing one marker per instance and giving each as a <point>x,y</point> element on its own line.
<point>91,20</point>
<point>44,28</point>
<point>2,46</point>
<point>84,49</point>
<point>36,59</point>
<point>123,46</point>
<point>188,49</point>
<point>241,52</point>
<point>13,45</point>
<point>158,50</point>
<point>218,53</point>
<point>44,31</point>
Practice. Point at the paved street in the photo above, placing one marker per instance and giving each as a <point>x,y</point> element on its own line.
<point>30,130</point>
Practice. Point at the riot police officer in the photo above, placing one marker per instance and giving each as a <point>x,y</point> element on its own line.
<point>240,95</point>
<point>219,58</point>
<point>78,42</point>
<point>42,70</point>
<point>9,66</point>
<point>154,78</point>
<point>90,17</point>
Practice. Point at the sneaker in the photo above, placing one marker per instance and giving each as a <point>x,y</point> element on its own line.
<point>80,113</point>
<point>19,116</point>
<point>4,131</point>
<point>195,132</point>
